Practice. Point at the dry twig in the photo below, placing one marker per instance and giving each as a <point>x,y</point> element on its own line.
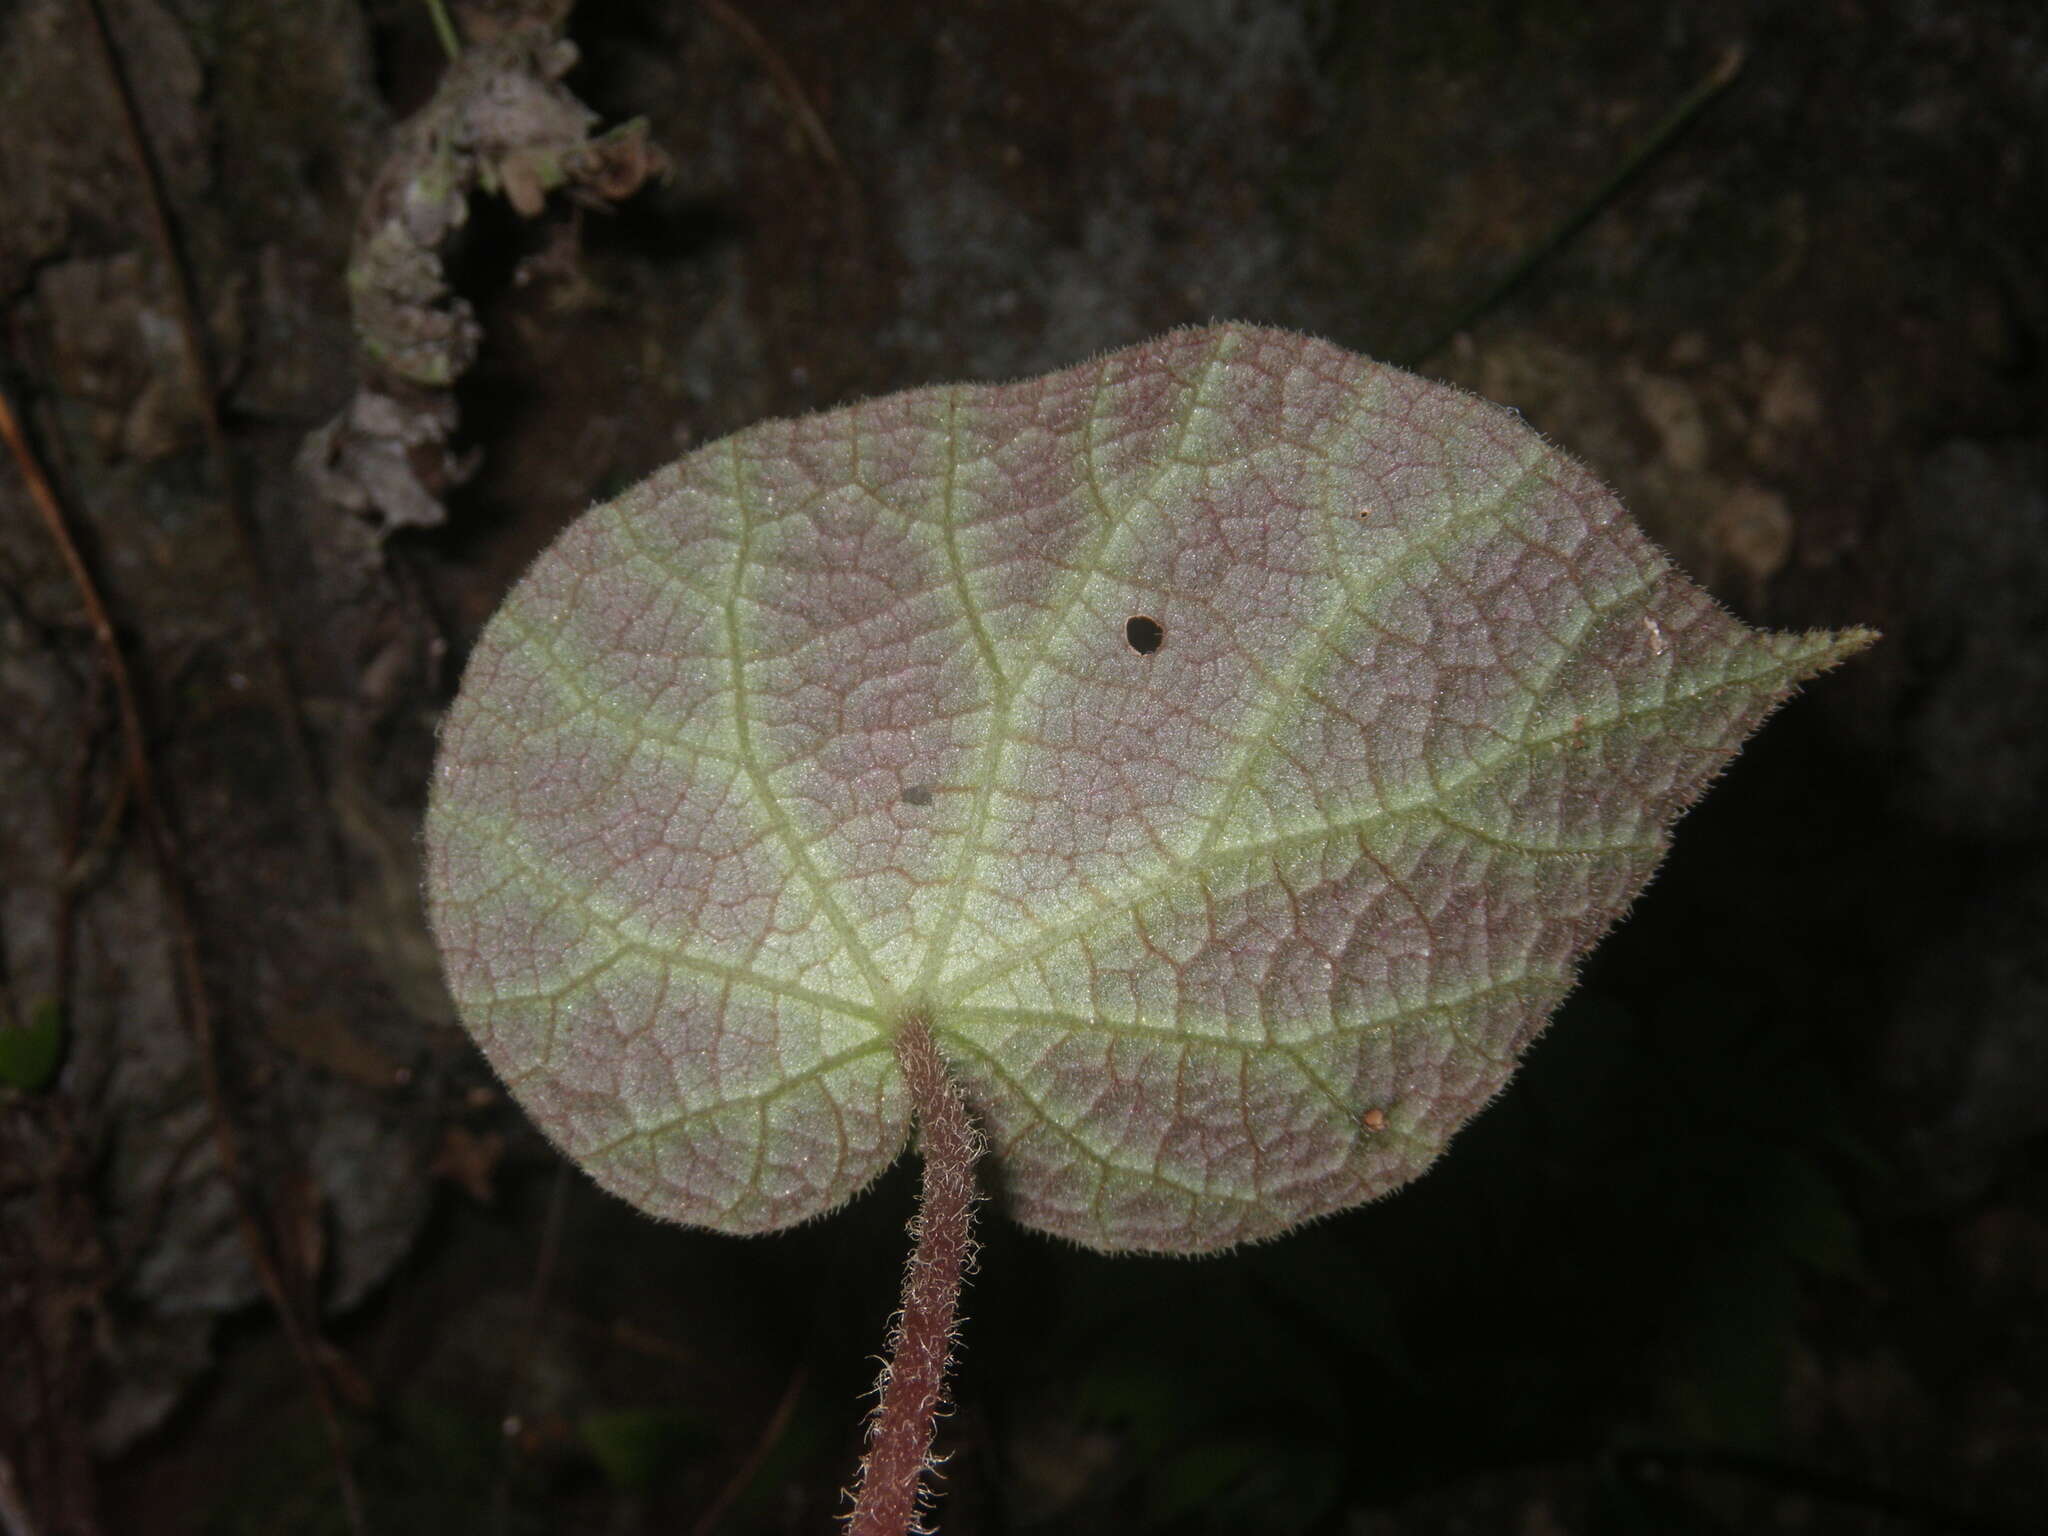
<point>786,83</point>
<point>199,367</point>
<point>195,1001</point>
<point>743,1475</point>
<point>522,1360</point>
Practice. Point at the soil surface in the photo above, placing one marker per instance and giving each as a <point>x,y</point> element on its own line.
<point>1758,1239</point>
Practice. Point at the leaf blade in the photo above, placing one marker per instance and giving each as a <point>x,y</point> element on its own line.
<point>1224,931</point>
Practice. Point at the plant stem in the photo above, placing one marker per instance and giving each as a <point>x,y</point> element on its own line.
<point>444,29</point>
<point>913,1384</point>
<point>1675,122</point>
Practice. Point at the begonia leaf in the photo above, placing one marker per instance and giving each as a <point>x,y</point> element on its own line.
<point>1228,746</point>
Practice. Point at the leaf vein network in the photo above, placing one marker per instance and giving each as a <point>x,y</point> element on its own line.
<point>955,564</point>
<point>620,928</point>
<point>1436,539</point>
<point>1419,802</point>
<point>760,1100</point>
<point>756,774</point>
<point>1061,606</point>
<point>565,678</point>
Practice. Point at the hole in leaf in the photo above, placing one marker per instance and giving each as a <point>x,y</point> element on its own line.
<point>1144,635</point>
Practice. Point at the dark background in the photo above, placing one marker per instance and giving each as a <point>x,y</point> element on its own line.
<point>1757,1240</point>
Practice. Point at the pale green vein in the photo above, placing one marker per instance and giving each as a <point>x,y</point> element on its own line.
<point>1256,741</point>
<point>568,682</point>
<point>694,578</point>
<point>957,1020</point>
<point>1539,850</point>
<point>949,533</point>
<point>1429,541</point>
<point>628,935</point>
<point>751,1189</point>
<point>1262,745</point>
<point>1422,801</point>
<point>679,1124</point>
<point>750,758</point>
<point>996,744</point>
<point>1074,1139</point>
<point>823,1003</point>
<point>1152,1172</point>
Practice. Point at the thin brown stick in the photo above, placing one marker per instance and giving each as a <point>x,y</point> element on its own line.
<point>64,920</point>
<point>913,1385</point>
<point>45,499</point>
<point>786,82</point>
<point>1561,234</point>
<point>743,1476</point>
<point>199,368</point>
<point>529,1341</point>
<point>195,1001</point>
<point>63,925</point>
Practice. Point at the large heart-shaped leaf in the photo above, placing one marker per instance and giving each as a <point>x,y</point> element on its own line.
<point>1228,747</point>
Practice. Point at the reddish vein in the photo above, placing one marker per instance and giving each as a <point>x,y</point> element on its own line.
<point>913,1385</point>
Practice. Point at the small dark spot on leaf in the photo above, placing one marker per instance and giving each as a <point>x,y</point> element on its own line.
<point>1375,1120</point>
<point>1144,635</point>
<point>917,794</point>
